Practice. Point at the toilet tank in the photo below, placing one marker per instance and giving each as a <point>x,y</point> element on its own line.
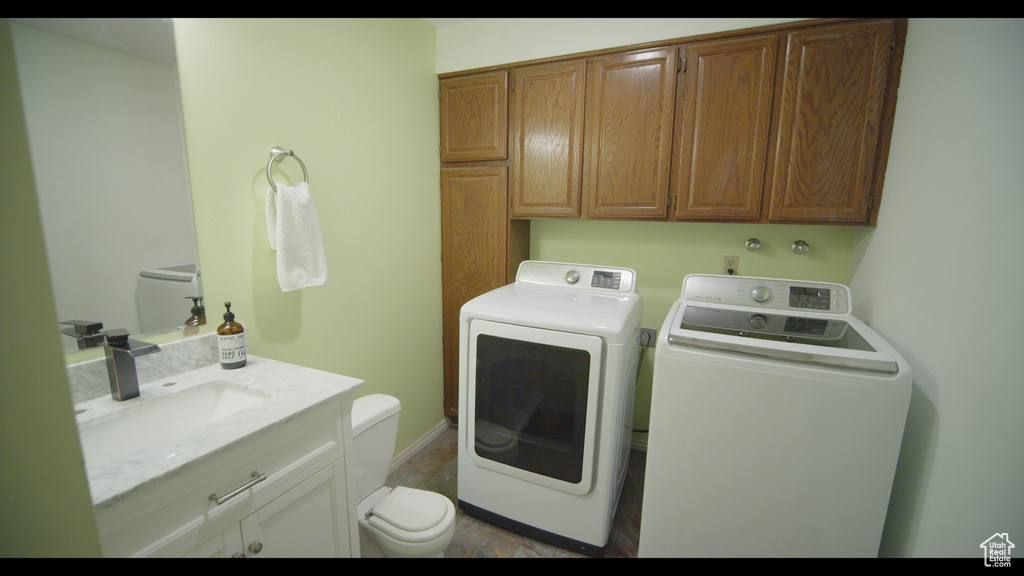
<point>374,431</point>
<point>161,295</point>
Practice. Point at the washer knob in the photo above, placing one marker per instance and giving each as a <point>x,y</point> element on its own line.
<point>757,321</point>
<point>761,294</point>
<point>572,276</point>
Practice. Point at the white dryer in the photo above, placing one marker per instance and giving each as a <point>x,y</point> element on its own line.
<point>776,423</point>
<point>547,375</point>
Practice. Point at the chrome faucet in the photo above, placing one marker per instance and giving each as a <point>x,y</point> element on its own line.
<point>121,352</point>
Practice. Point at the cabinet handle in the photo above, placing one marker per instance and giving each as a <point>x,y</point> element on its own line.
<point>257,478</point>
<point>256,547</point>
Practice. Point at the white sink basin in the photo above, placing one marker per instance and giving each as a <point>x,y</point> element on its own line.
<point>148,422</point>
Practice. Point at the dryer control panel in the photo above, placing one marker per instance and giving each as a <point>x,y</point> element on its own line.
<point>771,293</point>
<point>578,276</point>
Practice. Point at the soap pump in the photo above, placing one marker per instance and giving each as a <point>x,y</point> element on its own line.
<point>231,341</point>
<point>198,317</point>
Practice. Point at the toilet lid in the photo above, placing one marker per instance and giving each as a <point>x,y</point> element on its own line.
<point>410,509</point>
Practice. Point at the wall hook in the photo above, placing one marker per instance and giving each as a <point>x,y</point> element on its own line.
<point>801,247</point>
<point>753,245</point>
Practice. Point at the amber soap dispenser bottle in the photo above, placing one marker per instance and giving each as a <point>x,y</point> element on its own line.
<point>231,341</point>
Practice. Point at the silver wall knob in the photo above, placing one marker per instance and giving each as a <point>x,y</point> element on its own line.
<point>801,247</point>
<point>753,245</point>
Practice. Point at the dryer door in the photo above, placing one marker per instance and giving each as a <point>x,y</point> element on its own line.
<point>533,402</point>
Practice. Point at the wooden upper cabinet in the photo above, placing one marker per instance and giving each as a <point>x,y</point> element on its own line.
<point>628,142</point>
<point>723,113</point>
<point>834,122</point>
<point>547,138</point>
<point>474,117</point>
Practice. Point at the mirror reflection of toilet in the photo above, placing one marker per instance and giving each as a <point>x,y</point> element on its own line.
<point>396,522</point>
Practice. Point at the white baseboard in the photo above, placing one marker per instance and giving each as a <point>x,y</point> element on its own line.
<point>418,445</point>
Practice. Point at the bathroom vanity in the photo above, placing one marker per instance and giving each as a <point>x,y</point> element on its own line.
<point>225,463</point>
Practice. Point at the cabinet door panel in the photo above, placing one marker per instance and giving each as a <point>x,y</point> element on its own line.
<point>305,522</point>
<point>724,111</point>
<point>547,109</point>
<point>228,544</point>
<point>630,104</point>
<point>474,237</point>
<point>830,113</point>
<point>474,117</point>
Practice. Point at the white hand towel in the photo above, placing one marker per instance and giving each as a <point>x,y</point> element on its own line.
<point>294,231</point>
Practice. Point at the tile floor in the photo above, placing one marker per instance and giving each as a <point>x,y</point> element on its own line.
<point>435,468</point>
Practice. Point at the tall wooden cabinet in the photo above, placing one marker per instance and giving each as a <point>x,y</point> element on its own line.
<point>481,247</point>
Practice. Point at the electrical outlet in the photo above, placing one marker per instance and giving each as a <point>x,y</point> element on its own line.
<point>648,336</point>
<point>731,265</point>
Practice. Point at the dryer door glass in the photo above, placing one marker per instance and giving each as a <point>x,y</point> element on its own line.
<point>534,403</point>
<point>533,395</point>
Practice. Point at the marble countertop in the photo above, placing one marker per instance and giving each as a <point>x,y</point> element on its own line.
<point>292,391</point>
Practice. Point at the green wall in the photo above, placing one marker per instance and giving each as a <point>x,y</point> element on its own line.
<point>356,100</point>
<point>45,509</point>
<point>663,253</point>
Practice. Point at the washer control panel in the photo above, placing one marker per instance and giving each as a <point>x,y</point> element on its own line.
<point>771,293</point>
<point>580,276</point>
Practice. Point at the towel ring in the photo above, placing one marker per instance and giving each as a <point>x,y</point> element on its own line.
<point>277,151</point>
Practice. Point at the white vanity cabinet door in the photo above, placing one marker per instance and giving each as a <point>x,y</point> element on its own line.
<point>302,507</point>
<point>307,521</point>
<point>227,544</point>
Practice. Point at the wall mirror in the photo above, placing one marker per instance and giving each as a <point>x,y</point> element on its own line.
<point>103,112</point>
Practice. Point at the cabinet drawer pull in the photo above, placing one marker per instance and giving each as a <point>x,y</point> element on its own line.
<point>256,479</point>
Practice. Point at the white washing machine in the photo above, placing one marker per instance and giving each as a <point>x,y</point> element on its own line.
<point>547,375</point>
<point>776,423</point>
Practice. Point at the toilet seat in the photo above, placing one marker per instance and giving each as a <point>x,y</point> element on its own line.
<point>411,515</point>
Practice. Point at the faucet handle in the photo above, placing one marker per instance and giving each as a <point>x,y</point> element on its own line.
<point>117,337</point>
<point>87,332</point>
<point>85,327</point>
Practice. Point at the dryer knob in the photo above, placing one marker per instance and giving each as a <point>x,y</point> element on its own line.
<point>572,276</point>
<point>761,294</point>
<point>757,321</point>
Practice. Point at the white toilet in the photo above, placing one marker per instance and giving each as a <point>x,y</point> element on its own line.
<point>396,522</point>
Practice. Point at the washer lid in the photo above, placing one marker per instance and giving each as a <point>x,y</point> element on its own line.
<point>408,509</point>
<point>841,341</point>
